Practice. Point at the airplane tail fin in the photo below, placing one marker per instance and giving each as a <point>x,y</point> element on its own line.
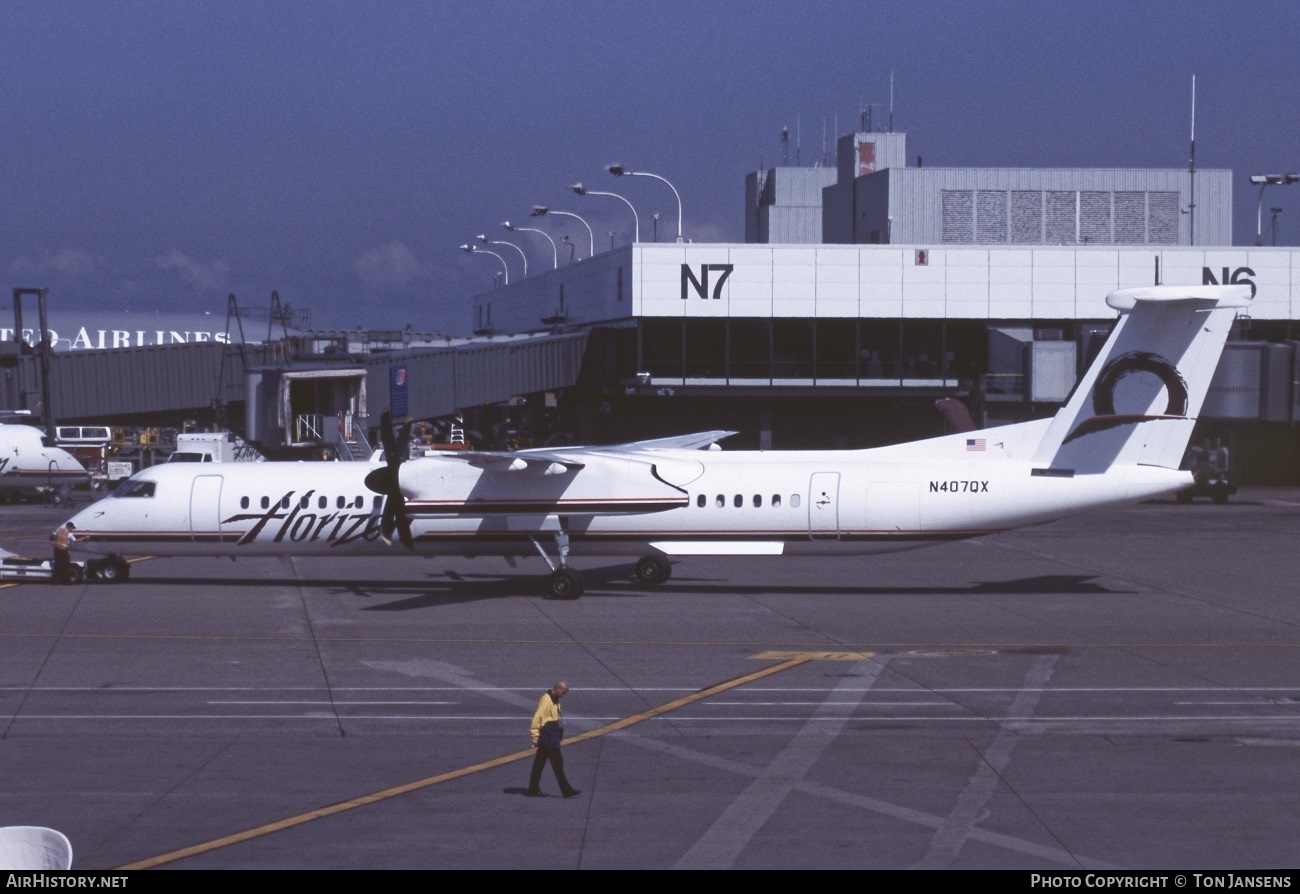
<point>1138,402</point>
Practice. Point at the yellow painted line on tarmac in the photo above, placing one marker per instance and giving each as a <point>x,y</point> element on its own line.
<point>409,787</point>
<point>816,656</point>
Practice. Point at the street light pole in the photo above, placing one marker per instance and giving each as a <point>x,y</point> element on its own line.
<point>555,254</point>
<point>636,221</point>
<point>1262,181</point>
<point>620,171</point>
<point>483,251</point>
<point>541,210</point>
<point>486,241</point>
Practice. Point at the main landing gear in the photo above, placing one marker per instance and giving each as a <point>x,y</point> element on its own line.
<point>565,583</point>
<point>653,570</point>
<point>110,569</point>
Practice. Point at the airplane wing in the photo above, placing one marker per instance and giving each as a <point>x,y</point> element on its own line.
<point>698,441</point>
<point>543,460</point>
<point>561,460</point>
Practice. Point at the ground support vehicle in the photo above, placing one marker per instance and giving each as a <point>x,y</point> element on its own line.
<point>25,568</point>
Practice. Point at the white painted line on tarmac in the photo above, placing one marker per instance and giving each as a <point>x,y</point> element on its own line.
<point>325,704</point>
<point>963,819</point>
<point>724,841</point>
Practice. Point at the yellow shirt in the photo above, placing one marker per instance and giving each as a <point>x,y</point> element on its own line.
<point>548,709</point>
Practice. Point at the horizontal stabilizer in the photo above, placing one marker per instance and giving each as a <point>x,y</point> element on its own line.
<point>1212,296</point>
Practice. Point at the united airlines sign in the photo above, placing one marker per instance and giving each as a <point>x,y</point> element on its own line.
<point>100,339</point>
<point>99,331</point>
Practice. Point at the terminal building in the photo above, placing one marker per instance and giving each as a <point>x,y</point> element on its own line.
<point>865,293</point>
<point>862,295</point>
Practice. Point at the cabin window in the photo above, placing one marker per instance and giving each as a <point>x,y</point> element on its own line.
<point>131,488</point>
<point>379,501</point>
<point>758,501</point>
<point>284,504</point>
<point>720,501</point>
<point>701,500</point>
<point>340,502</point>
<point>323,503</point>
<point>266,502</point>
<point>304,502</point>
<point>776,501</point>
<point>794,500</point>
<point>359,502</point>
<point>738,501</point>
<point>243,502</point>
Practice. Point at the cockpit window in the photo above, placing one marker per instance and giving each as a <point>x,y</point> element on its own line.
<point>130,488</point>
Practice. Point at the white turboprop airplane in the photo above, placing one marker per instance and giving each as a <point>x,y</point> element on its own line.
<point>29,461</point>
<point>1119,439</point>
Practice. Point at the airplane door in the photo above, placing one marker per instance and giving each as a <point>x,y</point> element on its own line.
<point>205,508</point>
<point>824,506</point>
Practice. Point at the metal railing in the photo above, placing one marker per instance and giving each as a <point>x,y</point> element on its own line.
<point>307,428</point>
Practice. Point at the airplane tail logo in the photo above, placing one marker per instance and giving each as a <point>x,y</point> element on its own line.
<point>1138,402</point>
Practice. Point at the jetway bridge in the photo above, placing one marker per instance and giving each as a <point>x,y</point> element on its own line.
<point>279,396</point>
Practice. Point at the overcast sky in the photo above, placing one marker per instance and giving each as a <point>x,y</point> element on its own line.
<point>161,155</point>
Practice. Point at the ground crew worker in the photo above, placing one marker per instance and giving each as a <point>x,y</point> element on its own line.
<point>547,731</point>
<point>63,540</point>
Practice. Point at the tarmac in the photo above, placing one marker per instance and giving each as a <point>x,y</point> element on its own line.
<point>1116,691</point>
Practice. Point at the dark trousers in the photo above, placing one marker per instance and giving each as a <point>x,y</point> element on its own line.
<point>553,755</point>
<point>62,566</point>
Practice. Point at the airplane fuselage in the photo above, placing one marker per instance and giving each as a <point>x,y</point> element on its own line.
<point>1118,439</point>
<point>671,502</point>
<point>29,460</point>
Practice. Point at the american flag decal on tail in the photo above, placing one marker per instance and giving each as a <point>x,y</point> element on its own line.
<point>975,445</point>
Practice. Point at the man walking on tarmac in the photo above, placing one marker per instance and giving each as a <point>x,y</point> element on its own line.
<point>63,539</point>
<point>547,731</point>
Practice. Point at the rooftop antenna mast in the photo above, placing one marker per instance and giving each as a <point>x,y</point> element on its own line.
<point>891,100</point>
<point>785,147</point>
<point>1191,173</point>
<point>798,139</point>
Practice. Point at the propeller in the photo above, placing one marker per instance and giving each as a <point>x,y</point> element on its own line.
<point>384,481</point>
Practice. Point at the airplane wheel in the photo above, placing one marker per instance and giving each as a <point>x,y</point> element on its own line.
<point>653,570</point>
<point>564,584</point>
<point>114,571</point>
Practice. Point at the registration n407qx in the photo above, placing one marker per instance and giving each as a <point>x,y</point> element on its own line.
<point>1119,439</point>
